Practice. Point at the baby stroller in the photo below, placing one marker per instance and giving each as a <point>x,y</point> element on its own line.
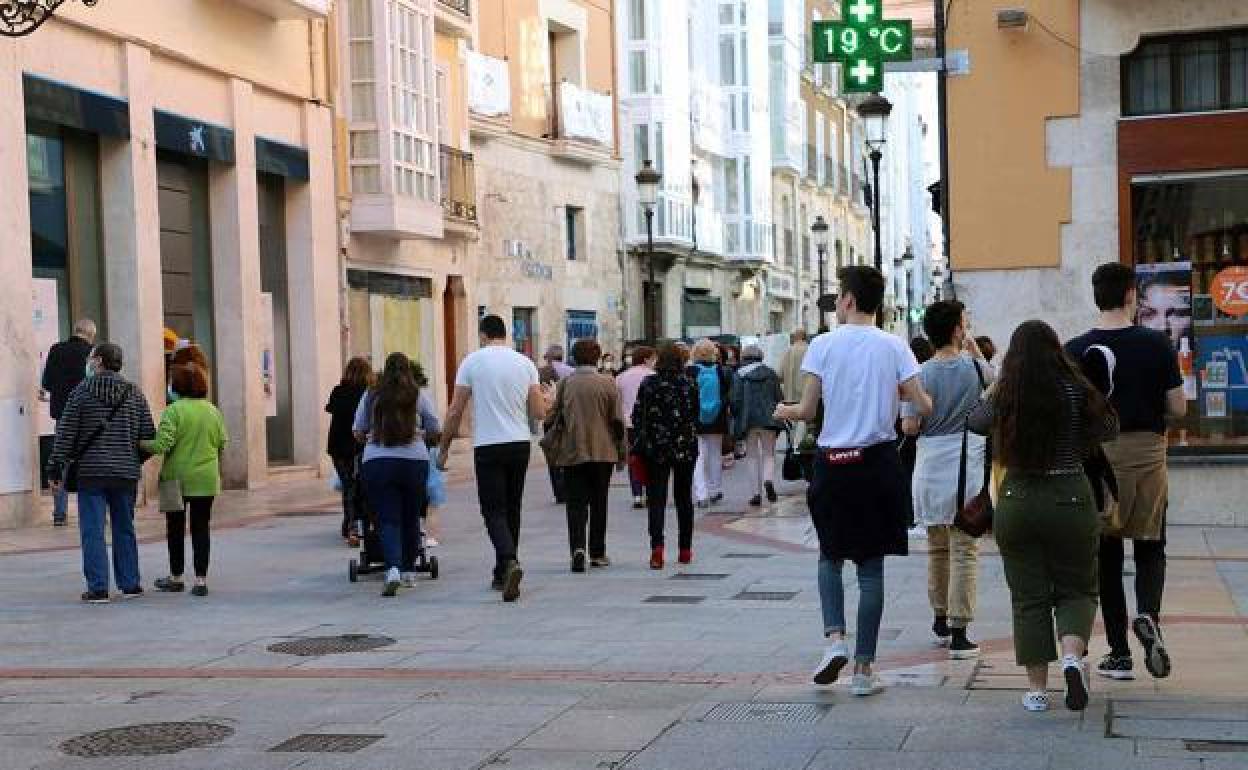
<point>372,557</point>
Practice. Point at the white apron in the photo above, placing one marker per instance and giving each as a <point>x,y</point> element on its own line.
<point>936,465</point>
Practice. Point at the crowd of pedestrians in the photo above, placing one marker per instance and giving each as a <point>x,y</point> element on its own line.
<point>1058,450</point>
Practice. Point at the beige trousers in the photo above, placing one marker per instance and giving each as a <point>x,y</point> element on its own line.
<point>952,574</point>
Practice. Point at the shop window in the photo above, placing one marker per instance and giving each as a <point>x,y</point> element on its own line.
<point>1191,254</point>
<point>524,331</point>
<point>581,324</point>
<point>1187,73</point>
<point>389,313</point>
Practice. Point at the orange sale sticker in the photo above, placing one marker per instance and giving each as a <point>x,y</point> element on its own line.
<point>1230,291</point>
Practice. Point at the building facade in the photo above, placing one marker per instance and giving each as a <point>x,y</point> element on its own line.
<point>693,92</point>
<point>1121,128</point>
<point>173,176</point>
<point>542,123</point>
<point>407,182</point>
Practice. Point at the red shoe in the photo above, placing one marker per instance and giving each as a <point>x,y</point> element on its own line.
<point>656,557</point>
<point>686,555</point>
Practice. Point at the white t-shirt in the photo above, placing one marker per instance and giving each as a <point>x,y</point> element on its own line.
<point>861,368</point>
<point>500,379</point>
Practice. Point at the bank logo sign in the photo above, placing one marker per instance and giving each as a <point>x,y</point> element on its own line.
<point>862,42</point>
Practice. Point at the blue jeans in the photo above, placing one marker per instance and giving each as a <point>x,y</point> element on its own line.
<point>870,603</point>
<point>60,504</point>
<point>396,491</point>
<point>93,504</point>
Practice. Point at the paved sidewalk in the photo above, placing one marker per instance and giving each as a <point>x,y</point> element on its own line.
<point>703,667</point>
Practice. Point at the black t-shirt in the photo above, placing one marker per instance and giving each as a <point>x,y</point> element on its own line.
<point>1145,368</point>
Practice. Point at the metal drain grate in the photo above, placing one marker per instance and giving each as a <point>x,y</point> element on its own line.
<point>767,713</point>
<point>1217,747</point>
<point>147,740</point>
<point>674,599</point>
<point>766,596</point>
<point>311,646</point>
<point>699,576</point>
<point>746,556</point>
<point>326,743</point>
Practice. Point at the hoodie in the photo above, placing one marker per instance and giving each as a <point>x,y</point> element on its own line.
<point>755,393</point>
<point>112,459</point>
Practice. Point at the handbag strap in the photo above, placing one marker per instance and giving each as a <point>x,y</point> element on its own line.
<point>99,430</point>
<point>962,466</point>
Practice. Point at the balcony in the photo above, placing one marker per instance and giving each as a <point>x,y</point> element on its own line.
<point>459,186</point>
<point>581,124</point>
<point>282,10</point>
<point>454,18</point>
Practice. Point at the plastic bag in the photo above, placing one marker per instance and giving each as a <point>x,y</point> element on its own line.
<point>435,487</point>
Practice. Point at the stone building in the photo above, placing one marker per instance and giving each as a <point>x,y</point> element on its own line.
<point>172,170</point>
<point>1089,131</point>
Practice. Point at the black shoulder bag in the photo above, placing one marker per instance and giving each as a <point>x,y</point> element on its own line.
<point>69,472</point>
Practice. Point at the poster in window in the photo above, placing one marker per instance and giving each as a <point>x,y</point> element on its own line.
<point>47,326</point>
<point>1165,304</point>
<point>1224,362</point>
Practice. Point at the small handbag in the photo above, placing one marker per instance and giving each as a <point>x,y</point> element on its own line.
<point>555,441</point>
<point>974,516</point>
<point>170,496</point>
<point>791,469</point>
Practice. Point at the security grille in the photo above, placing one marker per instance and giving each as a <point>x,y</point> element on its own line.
<point>312,646</point>
<point>768,713</point>
<point>326,743</point>
<point>146,740</point>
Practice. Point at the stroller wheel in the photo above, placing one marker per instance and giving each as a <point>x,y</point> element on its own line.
<point>353,571</point>
<point>433,568</point>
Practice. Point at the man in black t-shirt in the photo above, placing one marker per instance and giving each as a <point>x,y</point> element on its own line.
<point>1139,371</point>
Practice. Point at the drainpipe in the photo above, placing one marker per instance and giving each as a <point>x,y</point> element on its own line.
<point>942,80</point>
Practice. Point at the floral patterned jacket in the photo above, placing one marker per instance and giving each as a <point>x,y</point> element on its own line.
<point>665,419</point>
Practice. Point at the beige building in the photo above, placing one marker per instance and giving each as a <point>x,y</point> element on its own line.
<point>406,181</point>
<point>542,123</point>
<point>172,170</point>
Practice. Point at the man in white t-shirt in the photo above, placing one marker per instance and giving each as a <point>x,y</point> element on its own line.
<point>503,387</point>
<point>859,497</point>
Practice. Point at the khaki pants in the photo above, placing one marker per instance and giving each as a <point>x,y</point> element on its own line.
<point>1139,461</point>
<point>952,574</point>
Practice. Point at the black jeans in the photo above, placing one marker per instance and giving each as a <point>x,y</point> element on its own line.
<point>501,470</point>
<point>396,490</point>
<point>656,497</point>
<point>588,487</point>
<point>1150,582</point>
<point>344,466</point>
<point>558,484</point>
<point>201,541</point>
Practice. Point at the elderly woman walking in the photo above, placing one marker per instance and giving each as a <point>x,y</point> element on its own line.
<point>756,392</point>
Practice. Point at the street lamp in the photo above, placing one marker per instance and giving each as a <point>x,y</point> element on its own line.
<point>648,195</point>
<point>874,112</point>
<point>22,17</point>
<point>819,230</point>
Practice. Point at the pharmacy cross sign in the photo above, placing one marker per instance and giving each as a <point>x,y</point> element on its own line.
<point>862,42</point>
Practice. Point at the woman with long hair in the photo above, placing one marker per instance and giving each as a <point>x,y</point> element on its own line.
<point>393,419</point>
<point>343,449</point>
<point>1045,418</point>
<point>665,428</point>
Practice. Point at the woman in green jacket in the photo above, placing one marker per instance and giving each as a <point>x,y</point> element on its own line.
<point>191,437</point>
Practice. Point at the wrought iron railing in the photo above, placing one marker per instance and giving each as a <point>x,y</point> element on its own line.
<point>459,184</point>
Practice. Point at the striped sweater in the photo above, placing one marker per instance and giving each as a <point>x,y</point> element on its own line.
<point>113,458</point>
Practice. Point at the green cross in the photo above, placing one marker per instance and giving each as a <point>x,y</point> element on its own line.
<point>862,42</point>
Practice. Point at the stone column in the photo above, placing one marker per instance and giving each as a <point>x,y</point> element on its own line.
<point>130,224</point>
<point>17,349</point>
<point>236,298</point>
<point>312,272</point>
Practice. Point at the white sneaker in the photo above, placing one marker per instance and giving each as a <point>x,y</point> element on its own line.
<point>1036,701</point>
<point>393,580</point>
<point>865,684</point>
<point>431,542</point>
<point>1076,677</point>
<point>834,659</point>
<point>408,579</point>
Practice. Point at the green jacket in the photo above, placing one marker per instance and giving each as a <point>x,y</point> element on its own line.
<point>191,436</point>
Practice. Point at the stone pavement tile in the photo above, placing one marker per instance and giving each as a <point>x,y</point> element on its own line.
<point>433,714</point>
<point>1181,708</point>
<point>835,759</point>
<point>24,758</point>
<point>1177,749</point>
<point>602,729</point>
<point>646,695</point>
<point>726,738</point>
<point>1113,759</point>
<point>465,734</point>
<point>395,759</point>
<point>1225,763</point>
<point>527,759</point>
<point>1047,737</point>
<point>711,757</point>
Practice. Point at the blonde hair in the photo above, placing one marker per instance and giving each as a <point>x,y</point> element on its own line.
<point>705,352</point>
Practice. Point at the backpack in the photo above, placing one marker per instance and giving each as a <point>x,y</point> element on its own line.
<point>710,400</point>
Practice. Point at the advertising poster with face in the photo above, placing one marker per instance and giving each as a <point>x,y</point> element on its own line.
<point>1165,304</point>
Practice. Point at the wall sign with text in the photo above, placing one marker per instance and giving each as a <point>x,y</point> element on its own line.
<point>862,42</point>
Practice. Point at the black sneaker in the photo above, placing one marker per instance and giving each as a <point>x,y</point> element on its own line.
<point>199,590</point>
<point>511,582</point>
<point>1116,667</point>
<point>770,489</point>
<point>717,499</point>
<point>95,597</point>
<point>578,560</point>
<point>1156,659</point>
<point>60,523</point>
<point>169,585</point>
<point>600,561</point>
<point>940,627</point>
<point>962,648</point>
<point>1076,677</point>
<point>496,584</point>
<point>756,501</point>
<point>132,593</point>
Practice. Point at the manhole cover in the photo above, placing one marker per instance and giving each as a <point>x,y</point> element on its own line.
<point>674,599</point>
<point>746,556</point>
<point>310,646</point>
<point>772,713</point>
<point>326,743</point>
<point>305,514</point>
<point>147,740</point>
<point>1217,747</point>
<point>766,596</point>
<point>699,576</point>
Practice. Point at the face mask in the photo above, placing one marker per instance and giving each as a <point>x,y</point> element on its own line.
<point>89,370</point>
<point>170,396</point>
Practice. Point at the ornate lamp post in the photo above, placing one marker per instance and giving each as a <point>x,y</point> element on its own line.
<point>648,196</point>
<point>874,111</point>
<point>22,17</point>
<point>819,231</point>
